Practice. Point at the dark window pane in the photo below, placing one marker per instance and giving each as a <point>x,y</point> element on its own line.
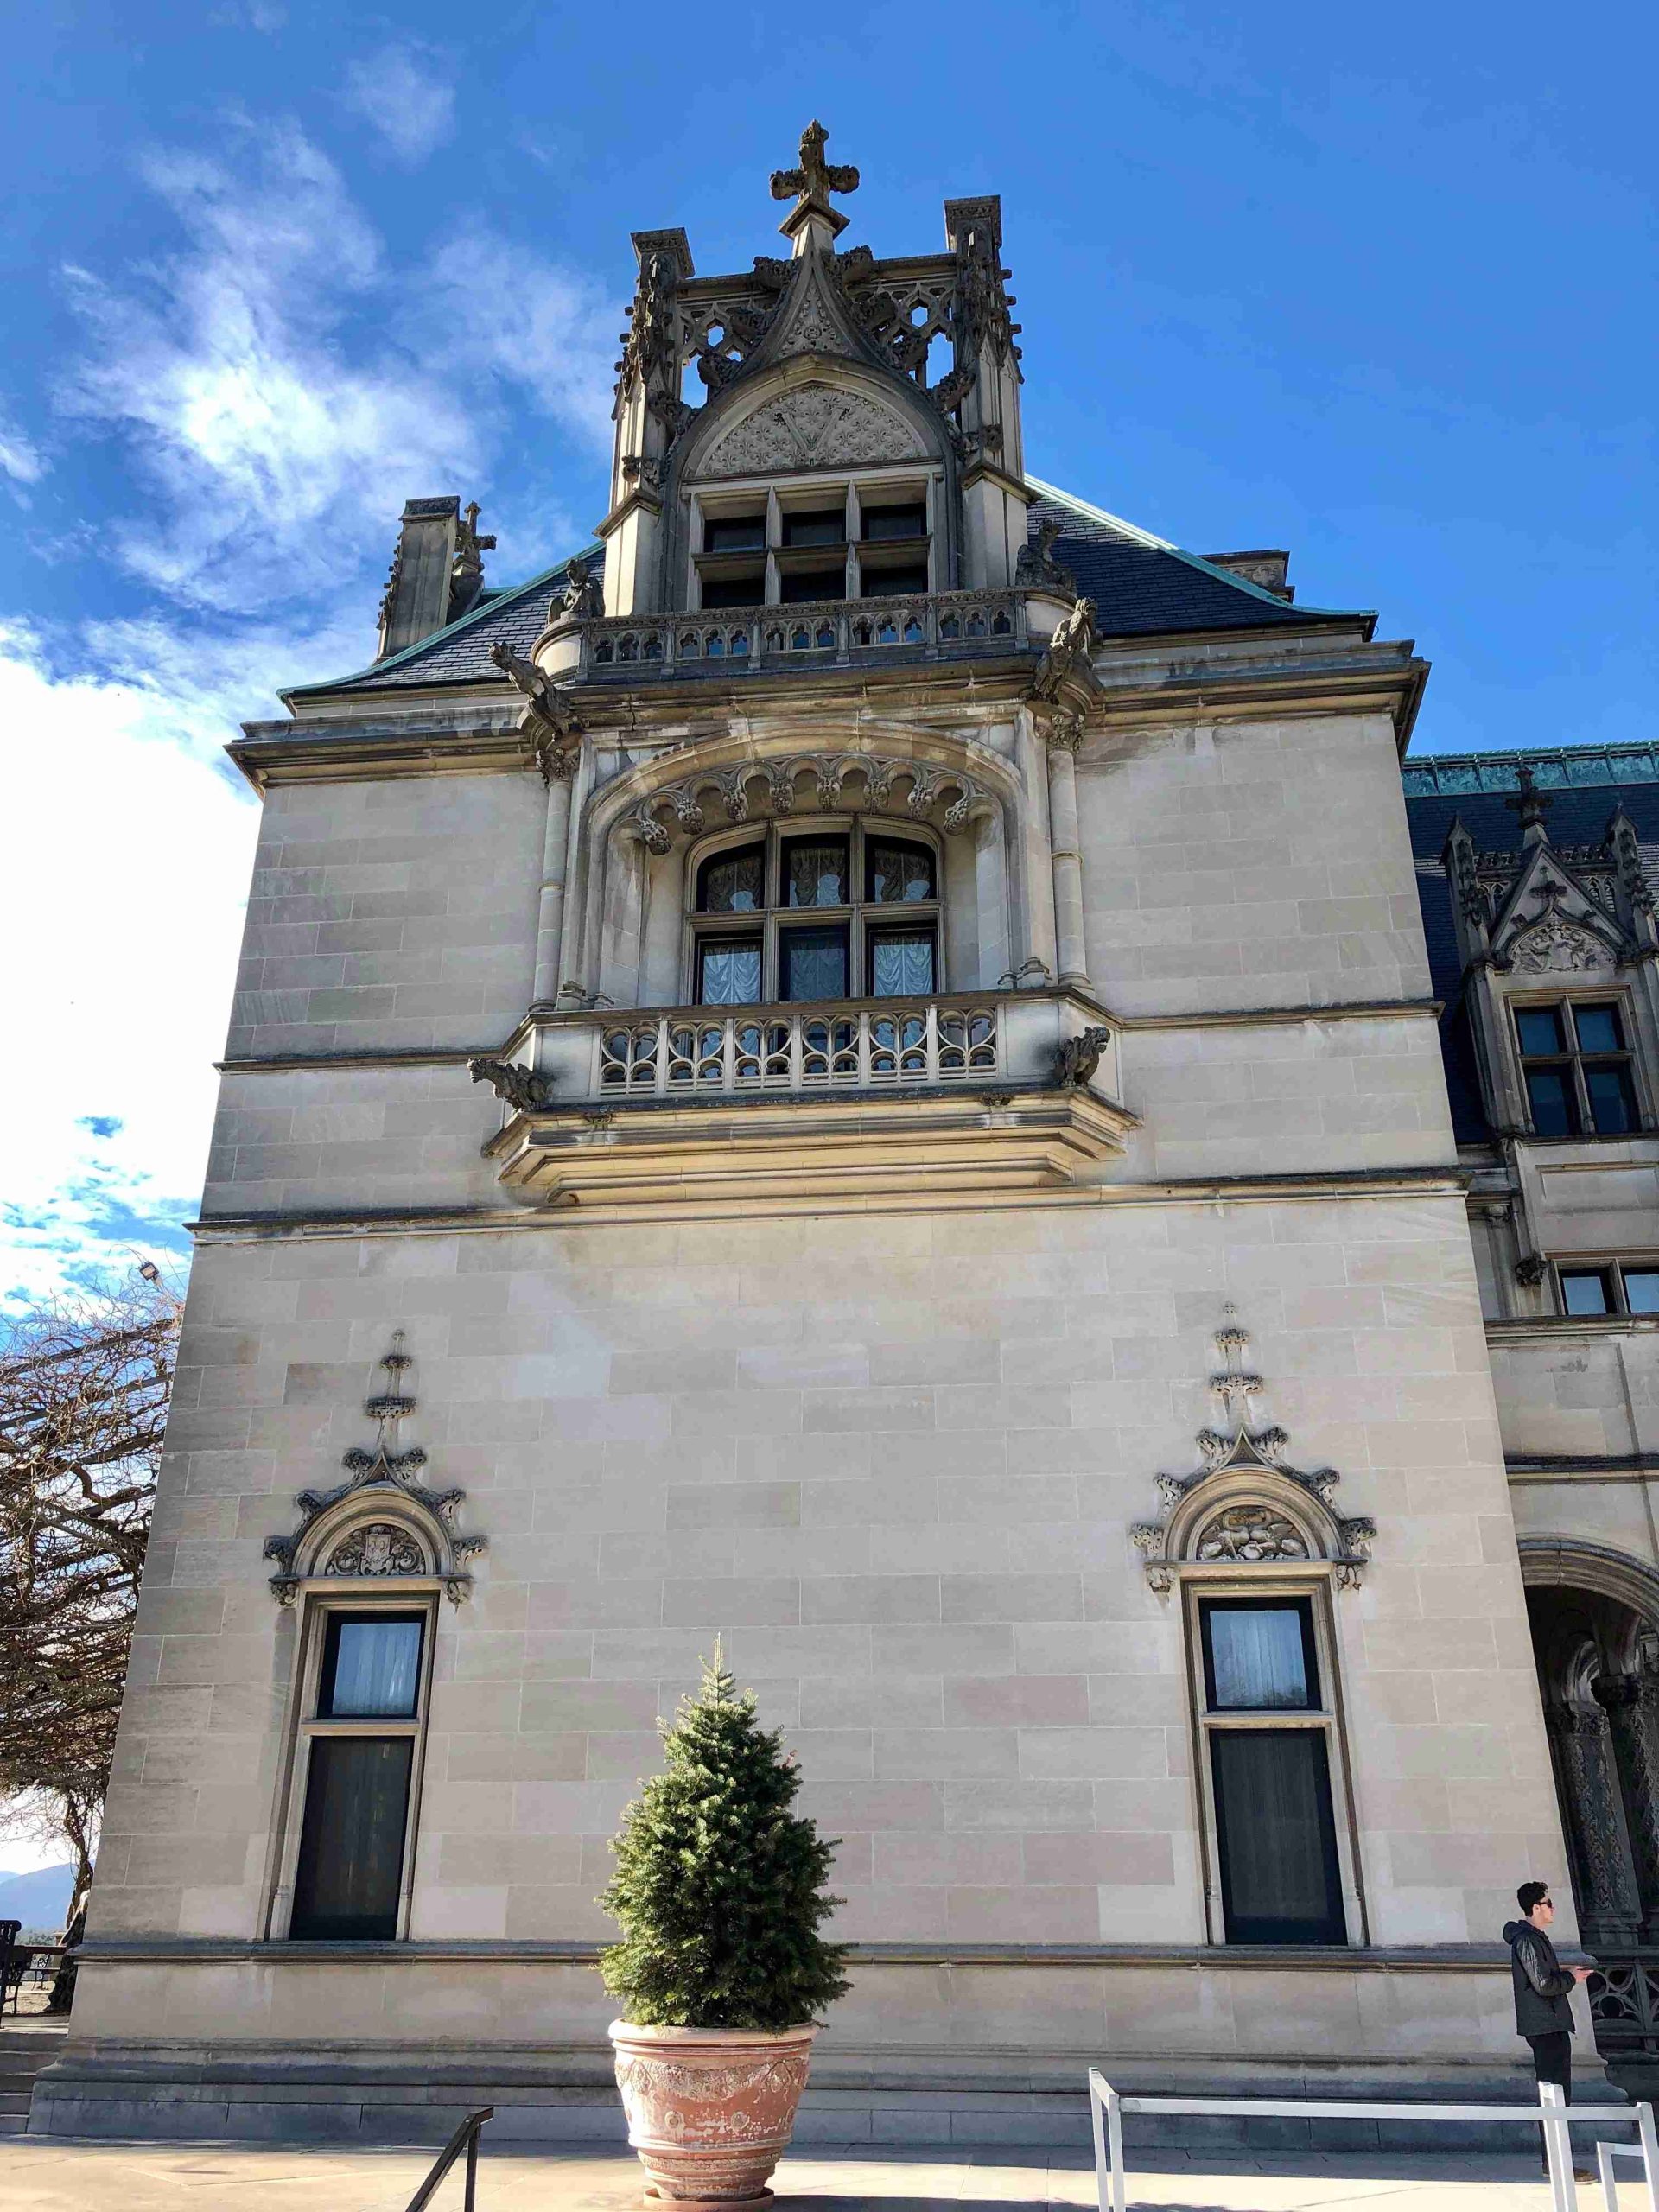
<point>732,882</point>
<point>816,874</point>
<point>899,873</point>
<point>797,585</point>
<point>1642,1289</point>
<point>1554,1102</point>
<point>370,1664</point>
<point>1539,1028</point>
<point>1587,1291</point>
<point>729,971</point>
<point>734,591</point>
<point>906,521</point>
<point>351,1843</point>
<point>1259,1658</point>
<point>1598,1028</point>
<point>823,526</point>
<point>814,963</point>
<point>1280,1881</point>
<point>734,533</point>
<point>1612,1096</point>
<point>902,963</point>
<point>894,583</point>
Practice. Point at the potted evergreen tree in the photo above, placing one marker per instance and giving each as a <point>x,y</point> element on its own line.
<point>719,1890</point>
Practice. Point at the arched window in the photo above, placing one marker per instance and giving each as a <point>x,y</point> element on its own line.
<point>829,910</point>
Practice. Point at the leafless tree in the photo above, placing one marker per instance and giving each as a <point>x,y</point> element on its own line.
<point>84,1386</point>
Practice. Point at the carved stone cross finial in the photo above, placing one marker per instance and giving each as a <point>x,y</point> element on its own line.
<point>1529,803</point>
<point>810,185</point>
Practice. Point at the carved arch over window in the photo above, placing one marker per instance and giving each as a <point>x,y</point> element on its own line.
<point>382,1521</point>
<point>1246,1506</point>
<point>764,789</point>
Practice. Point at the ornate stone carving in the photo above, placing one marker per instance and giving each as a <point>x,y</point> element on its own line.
<point>810,185</point>
<point>1555,947</point>
<point>1036,566</point>
<point>1249,1533</point>
<point>377,1547</point>
<point>1530,1270</point>
<point>1277,1509</point>
<point>384,1472</point>
<point>816,426</point>
<point>830,774</point>
<point>1631,1704</point>
<point>651,344</point>
<point>584,596</point>
<point>1581,1744</point>
<point>981,311</point>
<point>466,570</point>
<point>1077,1057</point>
<point>1068,658</point>
<point>521,1088</point>
<point>548,720</point>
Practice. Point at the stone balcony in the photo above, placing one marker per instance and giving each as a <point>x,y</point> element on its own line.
<point>958,1094</point>
<point>825,633</point>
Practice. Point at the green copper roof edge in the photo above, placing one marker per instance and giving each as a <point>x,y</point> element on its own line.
<point>495,605</point>
<point>1149,537</point>
<point>1555,767</point>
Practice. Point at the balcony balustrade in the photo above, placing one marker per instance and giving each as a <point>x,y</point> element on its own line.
<point>642,1109</point>
<point>825,633</point>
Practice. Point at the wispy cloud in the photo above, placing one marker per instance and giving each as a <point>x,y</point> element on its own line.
<point>402,97</point>
<point>21,459</point>
<point>532,324</point>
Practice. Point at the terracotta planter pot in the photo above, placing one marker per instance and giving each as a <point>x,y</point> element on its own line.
<point>710,2110</point>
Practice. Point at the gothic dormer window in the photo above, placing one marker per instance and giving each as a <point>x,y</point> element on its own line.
<point>845,909</point>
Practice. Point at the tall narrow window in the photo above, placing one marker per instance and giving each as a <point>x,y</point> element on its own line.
<point>1267,1734</point>
<point>359,1753</point>
<point>1576,1064</point>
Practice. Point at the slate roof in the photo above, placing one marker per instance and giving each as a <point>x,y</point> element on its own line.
<point>1141,585</point>
<point>1587,784</point>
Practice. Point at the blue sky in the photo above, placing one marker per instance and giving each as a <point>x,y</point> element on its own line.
<point>1377,288</point>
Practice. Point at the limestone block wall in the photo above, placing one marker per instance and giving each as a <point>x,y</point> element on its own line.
<point>1250,864</point>
<point>892,1461</point>
<point>393,912</point>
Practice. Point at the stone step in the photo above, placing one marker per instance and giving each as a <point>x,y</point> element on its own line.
<point>14,2123</point>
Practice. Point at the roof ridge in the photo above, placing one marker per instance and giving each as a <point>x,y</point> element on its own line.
<point>496,603</point>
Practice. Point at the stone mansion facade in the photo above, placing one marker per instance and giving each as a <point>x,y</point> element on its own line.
<point>885,1066</point>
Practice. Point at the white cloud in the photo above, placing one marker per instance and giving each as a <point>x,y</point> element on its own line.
<point>20,458</point>
<point>281,443</point>
<point>122,901</point>
<point>396,94</point>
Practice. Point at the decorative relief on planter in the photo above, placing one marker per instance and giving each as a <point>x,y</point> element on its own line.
<point>334,1537</point>
<point>1246,1506</point>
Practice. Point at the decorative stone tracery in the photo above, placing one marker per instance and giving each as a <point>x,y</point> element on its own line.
<point>761,788</point>
<point>1246,1506</point>
<point>382,1520</point>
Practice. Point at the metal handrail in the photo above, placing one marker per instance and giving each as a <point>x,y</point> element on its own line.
<point>465,2138</point>
<point>1107,2107</point>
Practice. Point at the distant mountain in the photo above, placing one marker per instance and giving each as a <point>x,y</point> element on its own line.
<point>40,1900</point>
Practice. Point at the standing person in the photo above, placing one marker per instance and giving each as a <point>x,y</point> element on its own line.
<point>1542,1987</point>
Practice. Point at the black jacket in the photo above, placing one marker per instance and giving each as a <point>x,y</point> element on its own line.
<point>1542,1984</point>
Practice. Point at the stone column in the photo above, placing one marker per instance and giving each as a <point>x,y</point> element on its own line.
<point>1629,1702</point>
<point>1610,1911</point>
<point>1065,735</point>
<point>559,768</point>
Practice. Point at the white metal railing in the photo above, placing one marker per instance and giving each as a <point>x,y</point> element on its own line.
<point>1552,2113</point>
<point>715,1054</point>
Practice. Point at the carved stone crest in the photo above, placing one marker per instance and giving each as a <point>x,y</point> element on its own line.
<point>1276,1512</point>
<point>329,1531</point>
<point>1555,947</point>
<point>816,426</point>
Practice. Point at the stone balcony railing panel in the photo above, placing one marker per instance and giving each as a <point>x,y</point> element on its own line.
<point>825,633</point>
<point>645,1108</point>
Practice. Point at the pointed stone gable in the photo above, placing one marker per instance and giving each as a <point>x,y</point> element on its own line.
<point>815,426</point>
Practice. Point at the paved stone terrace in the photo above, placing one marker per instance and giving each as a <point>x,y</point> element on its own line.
<point>64,2176</point>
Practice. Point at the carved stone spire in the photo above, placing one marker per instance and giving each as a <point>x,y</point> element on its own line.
<point>812,220</point>
<point>1532,805</point>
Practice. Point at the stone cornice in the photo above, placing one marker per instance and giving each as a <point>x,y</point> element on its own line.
<point>1455,1958</point>
<point>1318,1187</point>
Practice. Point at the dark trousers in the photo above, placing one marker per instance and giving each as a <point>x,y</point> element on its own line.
<point>1552,2061</point>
